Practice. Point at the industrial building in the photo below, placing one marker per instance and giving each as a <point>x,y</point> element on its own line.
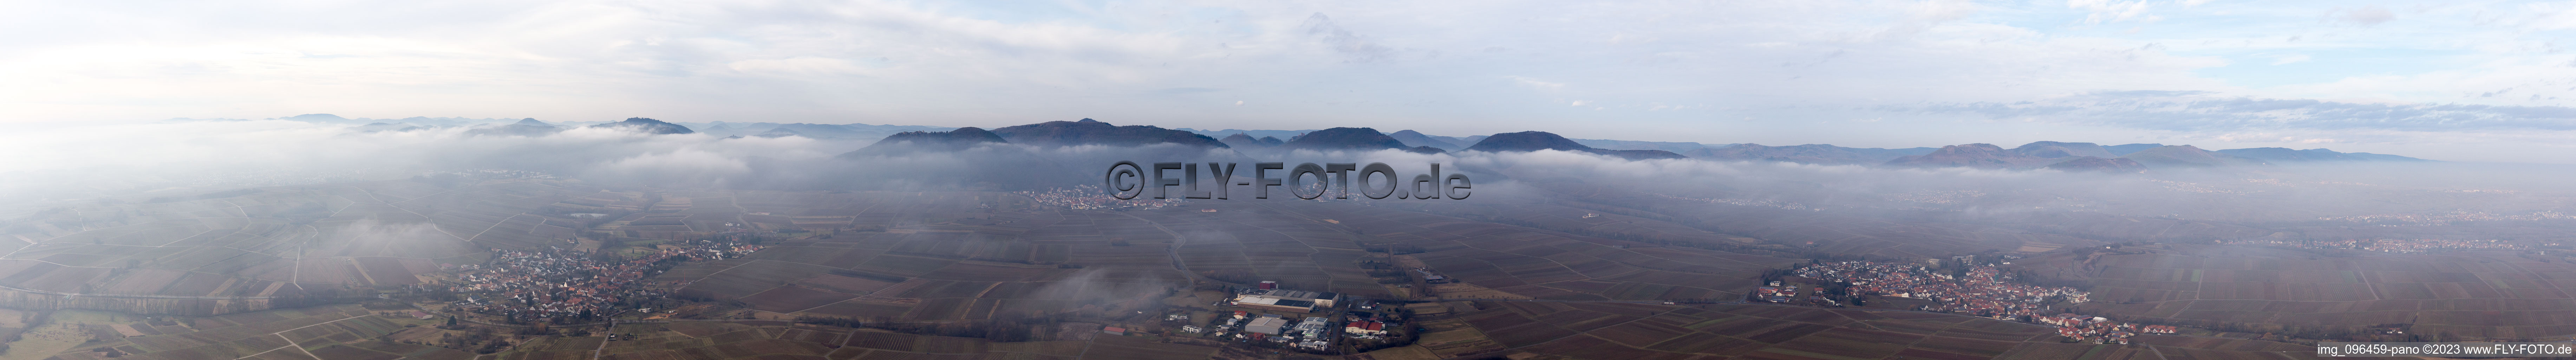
<point>1265,325</point>
<point>1286,300</point>
<point>1265,302</point>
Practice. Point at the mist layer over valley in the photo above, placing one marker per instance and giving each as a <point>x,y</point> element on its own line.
<point>1003,235</point>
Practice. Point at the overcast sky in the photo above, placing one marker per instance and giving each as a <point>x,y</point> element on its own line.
<point>2453,80</point>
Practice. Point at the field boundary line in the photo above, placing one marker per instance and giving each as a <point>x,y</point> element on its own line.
<point>289,344</point>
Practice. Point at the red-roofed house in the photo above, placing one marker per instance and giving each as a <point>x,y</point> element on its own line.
<point>1365,328</point>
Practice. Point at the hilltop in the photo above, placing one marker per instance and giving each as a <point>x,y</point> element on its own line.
<point>915,141</point>
<point>2188,156</point>
<point>1541,140</point>
<point>525,127</point>
<point>1094,132</point>
<point>1344,138</point>
<point>646,125</point>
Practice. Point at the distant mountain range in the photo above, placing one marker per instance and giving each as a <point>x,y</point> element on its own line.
<point>2067,156</point>
<point>646,125</point>
<point>1094,132</point>
<point>525,127</point>
<point>917,141</point>
<point>2274,154</point>
<point>1344,138</point>
<point>1810,154</point>
<point>2064,156</point>
<point>1541,140</point>
<point>818,131</point>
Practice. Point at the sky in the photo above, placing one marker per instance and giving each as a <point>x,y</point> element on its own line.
<point>2450,80</point>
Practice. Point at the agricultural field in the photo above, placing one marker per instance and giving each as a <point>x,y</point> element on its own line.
<point>1524,330</point>
<point>277,242</point>
<point>782,340</point>
<point>1046,261</point>
<point>233,251</point>
<point>332,332</point>
<point>947,270</point>
<point>970,257</point>
<point>1552,265</point>
<point>2496,294</point>
<point>1659,219</point>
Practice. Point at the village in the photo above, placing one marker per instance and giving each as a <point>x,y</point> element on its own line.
<point>567,284</point>
<point>1980,290</point>
<point>2098,329</point>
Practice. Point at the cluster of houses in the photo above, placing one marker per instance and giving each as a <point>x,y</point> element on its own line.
<point>1773,292</point>
<point>2099,330</point>
<point>1364,329</point>
<point>1310,332</point>
<point>558,282</point>
<point>1982,291</point>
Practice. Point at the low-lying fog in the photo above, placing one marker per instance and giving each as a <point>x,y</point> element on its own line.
<point>71,163</point>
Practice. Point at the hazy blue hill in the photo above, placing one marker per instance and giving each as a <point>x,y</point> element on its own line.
<point>2053,149</point>
<point>2099,164</point>
<point>1675,147</point>
<point>2125,149</point>
<point>1416,138</point>
<point>1094,132</point>
<point>1808,154</point>
<point>929,141</point>
<point>375,127</point>
<point>1345,138</point>
<point>1541,140</point>
<point>1983,156</point>
<point>1638,154</point>
<point>2179,156</point>
<point>820,131</point>
<point>323,118</point>
<point>646,125</point>
<point>2280,155</point>
<point>1527,141</point>
<point>525,127</point>
<point>1242,141</point>
<point>779,132</point>
<point>1253,133</point>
